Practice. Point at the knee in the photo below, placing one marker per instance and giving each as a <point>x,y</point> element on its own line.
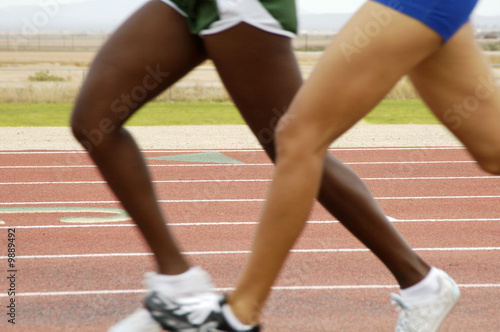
<point>88,131</point>
<point>490,162</point>
<point>295,140</point>
<point>487,155</point>
<point>286,138</point>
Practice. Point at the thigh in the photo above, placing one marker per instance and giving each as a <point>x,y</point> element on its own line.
<point>445,17</point>
<point>459,87</point>
<point>260,72</point>
<point>360,66</point>
<point>148,53</point>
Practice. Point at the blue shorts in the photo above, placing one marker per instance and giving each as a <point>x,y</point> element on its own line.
<point>445,17</point>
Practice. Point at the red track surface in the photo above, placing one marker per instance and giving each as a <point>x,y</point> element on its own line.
<point>85,277</point>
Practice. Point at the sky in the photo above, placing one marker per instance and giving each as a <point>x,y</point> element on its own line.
<point>485,7</point>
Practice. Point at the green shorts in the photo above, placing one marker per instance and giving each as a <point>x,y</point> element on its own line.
<point>212,16</point>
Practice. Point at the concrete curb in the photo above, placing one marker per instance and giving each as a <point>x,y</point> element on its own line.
<point>225,137</point>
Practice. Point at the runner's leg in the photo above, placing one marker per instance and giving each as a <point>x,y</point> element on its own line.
<point>147,54</point>
<point>459,87</point>
<point>267,87</point>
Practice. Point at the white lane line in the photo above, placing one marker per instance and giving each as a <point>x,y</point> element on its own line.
<point>437,197</point>
<point>447,220</point>
<point>242,252</point>
<point>240,165</point>
<point>242,223</point>
<point>255,180</point>
<point>43,152</point>
<point>45,166</point>
<point>433,178</point>
<point>237,150</point>
<point>242,200</point>
<point>225,289</point>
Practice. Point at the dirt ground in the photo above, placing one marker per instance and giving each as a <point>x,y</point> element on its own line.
<point>18,68</point>
<point>84,58</point>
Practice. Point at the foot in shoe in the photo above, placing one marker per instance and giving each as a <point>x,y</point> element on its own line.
<point>427,316</point>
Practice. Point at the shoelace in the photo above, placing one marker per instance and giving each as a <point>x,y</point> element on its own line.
<point>404,324</point>
<point>397,301</point>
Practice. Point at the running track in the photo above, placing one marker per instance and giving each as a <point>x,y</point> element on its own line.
<point>79,261</point>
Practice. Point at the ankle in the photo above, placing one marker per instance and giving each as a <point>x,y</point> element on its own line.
<point>172,265</point>
<point>423,291</point>
<point>193,281</point>
<point>246,314</point>
<point>413,274</point>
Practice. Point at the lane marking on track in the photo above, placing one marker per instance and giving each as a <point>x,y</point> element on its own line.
<point>225,289</point>
<point>438,197</point>
<point>241,150</point>
<point>242,200</point>
<point>243,252</point>
<point>243,165</point>
<point>111,215</point>
<point>244,223</point>
<point>255,180</point>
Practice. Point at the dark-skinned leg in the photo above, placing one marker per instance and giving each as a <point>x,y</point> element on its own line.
<point>260,72</point>
<point>148,53</point>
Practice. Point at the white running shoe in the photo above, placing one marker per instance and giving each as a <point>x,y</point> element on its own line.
<point>427,317</point>
<point>199,287</point>
<point>139,321</point>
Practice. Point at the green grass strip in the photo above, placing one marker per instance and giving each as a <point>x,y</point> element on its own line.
<point>199,113</point>
<point>401,112</point>
<point>153,114</point>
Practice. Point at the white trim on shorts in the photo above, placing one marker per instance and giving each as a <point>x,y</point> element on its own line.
<point>234,12</point>
<point>174,6</point>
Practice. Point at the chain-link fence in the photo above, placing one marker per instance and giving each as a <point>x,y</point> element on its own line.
<point>51,42</point>
<point>93,41</point>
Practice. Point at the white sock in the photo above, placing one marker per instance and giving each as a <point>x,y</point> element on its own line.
<point>424,291</point>
<point>193,281</point>
<point>233,320</point>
